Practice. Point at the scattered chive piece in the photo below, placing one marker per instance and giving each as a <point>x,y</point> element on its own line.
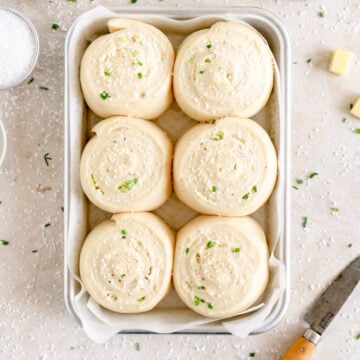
<point>62,209</point>
<point>150,270</point>
<point>254,189</point>
<point>30,80</point>
<point>351,105</point>
<point>246,196</point>
<point>213,189</point>
<point>197,301</point>
<point>208,61</point>
<point>122,275</point>
<point>47,225</point>
<point>252,354</point>
<point>137,345</point>
<point>133,1</point>
<point>305,220</point>
<point>349,245</point>
<point>343,120</point>
<point>96,186</point>
<point>43,88</point>
<point>141,299</point>
<point>187,250</point>
<point>106,73</point>
<point>104,95</point>
<point>201,287</point>
<point>140,63</point>
<point>54,26</point>
<point>295,187</point>
<point>128,185</point>
<point>308,61</point>
<point>236,250</point>
<point>313,175</point>
<point>358,336</point>
<point>334,209</point>
<point>299,181</point>
<point>34,251</point>
<point>209,46</point>
<point>139,75</point>
<point>188,285</point>
<point>210,244</point>
<point>124,233</point>
<point>114,297</point>
<point>321,14</point>
<point>47,158</point>
<point>210,306</point>
<point>217,137</point>
<point>357,131</point>
<point>5,242</point>
<point>201,71</point>
<point>71,0</point>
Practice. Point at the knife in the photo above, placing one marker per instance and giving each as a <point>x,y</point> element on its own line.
<point>324,310</point>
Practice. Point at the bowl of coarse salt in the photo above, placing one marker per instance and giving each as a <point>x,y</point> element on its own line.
<point>19,47</point>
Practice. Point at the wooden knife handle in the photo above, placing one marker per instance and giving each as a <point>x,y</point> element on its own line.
<point>302,349</point>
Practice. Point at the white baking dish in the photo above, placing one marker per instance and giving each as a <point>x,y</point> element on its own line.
<point>80,216</point>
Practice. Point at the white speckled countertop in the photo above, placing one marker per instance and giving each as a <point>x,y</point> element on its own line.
<point>34,323</point>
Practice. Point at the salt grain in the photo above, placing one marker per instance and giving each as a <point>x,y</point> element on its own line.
<point>17,48</point>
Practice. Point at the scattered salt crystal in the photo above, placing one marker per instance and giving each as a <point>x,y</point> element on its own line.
<point>17,48</point>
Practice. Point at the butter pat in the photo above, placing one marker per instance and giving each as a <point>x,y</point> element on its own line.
<point>355,110</point>
<point>340,62</point>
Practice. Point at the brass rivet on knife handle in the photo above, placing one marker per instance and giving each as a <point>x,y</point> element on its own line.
<point>302,349</point>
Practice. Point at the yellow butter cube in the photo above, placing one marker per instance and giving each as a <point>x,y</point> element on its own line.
<point>340,62</point>
<point>355,109</point>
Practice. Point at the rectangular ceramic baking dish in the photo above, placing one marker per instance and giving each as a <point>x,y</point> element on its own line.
<point>276,35</point>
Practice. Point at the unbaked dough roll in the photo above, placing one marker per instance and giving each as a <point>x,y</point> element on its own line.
<point>128,72</point>
<point>226,70</point>
<point>126,262</point>
<point>226,168</point>
<point>220,265</point>
<point>126,166</point>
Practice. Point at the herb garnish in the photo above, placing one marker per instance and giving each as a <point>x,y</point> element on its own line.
<point>187,250</point>
<point>213,189</point>
<point>137,345</point>
<point>357,131</point>
<point>55,26</point>
<point>236,250</point>
<point>252,354</point>
<point>114,297</point>
<point>351,105</point>
<point>139,75</point>
<point>43,88</point>
<point>209,46</point>
<point>208,61</point>
<point>5,242</point>
<point>300,181</point>
<point>201,287</point>
<point>122,275</point>
<point>104,95</point>
<point>141,299</point>
<point>124,233</point>
<point>128,185</point>
<point>358,336</point>
<point>321,14</point>
<point>210,306</point>
<point>96,186</point>
<point>71,0</point>
<point>34,251</point>
<point>47,158</point>
<point>47,225</point>
<point>295,187</point>
<point>210,244</point>
<point>246,196</point>
<point>308,61</point>
<point>30,81</point>
<point>107,73</point>
<point>201,71</point>
<point>62,209</point>
<point>254,188</point>
<point>334,209</point>
<point>140,63</point>
<point>150,270</point>
<point>313,175</point>
<point>305,220</point>
<point>133,1</point>
<point>349,245</point>
<point>217,137</point>
<point>197,301</point>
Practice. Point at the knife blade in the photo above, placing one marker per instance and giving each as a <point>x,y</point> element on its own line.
<point>324,310</point>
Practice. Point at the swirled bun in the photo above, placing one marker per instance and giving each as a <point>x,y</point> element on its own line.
<point>223,71</point>
<point>128,72</point>
<point>126,262</point>
<point>220,265</point>
<point>126,166</point>
<point>226,168</point>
